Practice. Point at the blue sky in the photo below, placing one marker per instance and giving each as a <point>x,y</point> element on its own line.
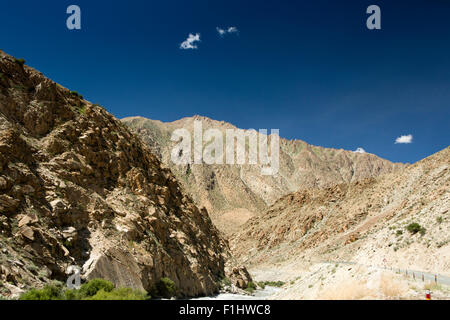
<point>309,68</point>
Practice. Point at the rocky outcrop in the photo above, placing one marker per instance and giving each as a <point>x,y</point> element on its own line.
<point>234,193</point>
<point>78,188</point>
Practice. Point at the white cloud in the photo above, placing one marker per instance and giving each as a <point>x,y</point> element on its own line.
<point>223,32</point>
<point>404,139</point>
<point>189,43</point>
<point>360,150</point>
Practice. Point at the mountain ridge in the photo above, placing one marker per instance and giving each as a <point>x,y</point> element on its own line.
<point>183,120</point>
<point>233,194</point>
<point>367,222</point>
<point>78,188</point>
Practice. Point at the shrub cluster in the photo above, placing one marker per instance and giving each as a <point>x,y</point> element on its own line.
<point>165,288</point>
<point>415,228</point>
<point>277,284</point>
<point>251,286</point>
<point>76,94</point>
<point>96,289</point>
<point>20,61</point>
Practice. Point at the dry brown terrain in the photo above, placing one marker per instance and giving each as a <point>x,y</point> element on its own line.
<point>363,222</point>
<point>234,193</point>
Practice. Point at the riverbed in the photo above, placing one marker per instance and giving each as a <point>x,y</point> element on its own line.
<point>262,294</point>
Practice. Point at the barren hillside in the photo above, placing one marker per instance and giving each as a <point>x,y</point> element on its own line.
<point>399,220</point>
<point>233,194</point>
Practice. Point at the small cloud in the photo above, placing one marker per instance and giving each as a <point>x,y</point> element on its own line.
<point>223,32</point>
<point>360,150</point>
<point>189,43</point>
<point>404,139</point>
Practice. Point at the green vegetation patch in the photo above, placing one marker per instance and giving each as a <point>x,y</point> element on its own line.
<point>251,287</point>
<point>119,294</point>
<point>414,228</point>
<point>82,109</point>
<point>53,291</point>
<point>96,289</point>
<point>277,284</point>
<point>225,282</point>
<point>20,61</point>
<point>76,94</point>
<point>166,288</point>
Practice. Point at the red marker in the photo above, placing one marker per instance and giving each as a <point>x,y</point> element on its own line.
<point>428,295</point>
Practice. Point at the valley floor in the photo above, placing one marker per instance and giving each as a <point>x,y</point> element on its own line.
<point>351,281</point>
<point>261,294</point>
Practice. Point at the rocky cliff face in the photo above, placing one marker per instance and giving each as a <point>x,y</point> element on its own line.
<point>78,188</point>
<point>233,194</point>
<point>364,222</point>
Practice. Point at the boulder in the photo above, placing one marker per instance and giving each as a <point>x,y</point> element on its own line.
<point>27,233</point>
<point>58,206</point>
<point>69,232</point>
<point>8,204</point>
<point>116,266</point>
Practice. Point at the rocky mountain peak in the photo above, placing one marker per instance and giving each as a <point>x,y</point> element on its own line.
<point>234,193</point>
<point>78,188</point>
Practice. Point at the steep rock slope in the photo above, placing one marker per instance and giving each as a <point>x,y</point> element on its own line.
<point>364,222</point>
<point>78,188</point>
<point>233,194</point>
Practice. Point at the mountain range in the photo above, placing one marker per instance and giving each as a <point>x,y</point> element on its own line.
<point>81,188</point>
<point>234,193</point>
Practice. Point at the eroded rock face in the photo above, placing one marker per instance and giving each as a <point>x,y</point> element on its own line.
<point>78,188</point>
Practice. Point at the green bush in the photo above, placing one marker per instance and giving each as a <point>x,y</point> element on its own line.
<point>70,294</point>
<point>166,288</point>
<point>96,289</point>
<point>76,94</point>
<point>52,291</point>
<point>20,61</point>
<point>251,286</point>
<point>439,220</point>
<point>415,228</point>
<point>119,294</point>
<point>91,288</point>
